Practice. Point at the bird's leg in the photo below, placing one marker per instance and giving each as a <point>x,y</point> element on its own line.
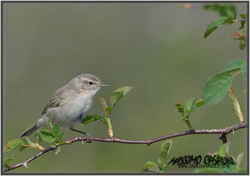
<point>89,140</point>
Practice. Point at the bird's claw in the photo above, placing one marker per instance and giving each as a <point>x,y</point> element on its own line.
<point>90,139</point>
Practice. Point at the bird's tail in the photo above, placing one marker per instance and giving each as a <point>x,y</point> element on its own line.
<point>30,130</point>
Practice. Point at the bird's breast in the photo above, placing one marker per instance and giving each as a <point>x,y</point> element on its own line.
<point>72,112</point>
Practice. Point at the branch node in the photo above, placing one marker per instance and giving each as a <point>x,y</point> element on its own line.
<point>223,137</point>
<point>25,165</point>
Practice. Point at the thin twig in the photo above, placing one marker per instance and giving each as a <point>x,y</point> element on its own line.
<point>238,20</point>
<point>223,131</point>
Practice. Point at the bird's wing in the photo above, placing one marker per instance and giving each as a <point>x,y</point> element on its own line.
<point>54,102</point>
<point>59,98</point>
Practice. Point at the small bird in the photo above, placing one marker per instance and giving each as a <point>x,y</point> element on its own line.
<point>70,104</point>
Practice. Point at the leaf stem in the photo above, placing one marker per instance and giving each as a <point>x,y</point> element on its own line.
<point>189,125</point>
<point>238,20</point>
<point>236,73</point>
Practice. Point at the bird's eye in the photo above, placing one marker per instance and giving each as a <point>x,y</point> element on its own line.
<point>90,83</point>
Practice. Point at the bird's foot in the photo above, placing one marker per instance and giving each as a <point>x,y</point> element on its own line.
<point>90,139</point>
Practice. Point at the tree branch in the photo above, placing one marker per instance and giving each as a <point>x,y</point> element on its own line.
<point>223,132</point>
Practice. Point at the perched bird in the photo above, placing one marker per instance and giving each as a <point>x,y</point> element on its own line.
<point>70,104</point>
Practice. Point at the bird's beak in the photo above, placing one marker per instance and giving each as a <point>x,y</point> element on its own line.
<point>103,85</point>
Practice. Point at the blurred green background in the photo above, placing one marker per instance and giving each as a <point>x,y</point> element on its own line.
<point>156,47</point>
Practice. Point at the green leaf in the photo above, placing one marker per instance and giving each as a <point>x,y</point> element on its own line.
<point>49,123</point>
<point>149,167</point>
<point>223,9</point>
<point>221,21</point>
<point>199,103</point>
<point>234,66</point>
<point>55,130</point>
<point>116,96</point>
<point>190,104</point>
<point>89,119</point>
<point>25,141</point>
<point>22,148</point>
<point>217,23</point>
<point>243,16</point>
<point>165,148</point>
<point>224,150</point>
<point>57,149</point>
<point>239,159</point>
<point>244,71</point>
<point>6,165</point>
<point>216,88</point>
<point>61,135</point>
<point>193,108</point>
<point>186,113</point>
<point>209,31</point>
<point>47,136</point>
<point>242,24</point>
<point>52,143</point>
<point>180,108</point>
<point>242,44</point>
<point>9,158</point>
<point>234,17</point>
<point>13,144</point>
<point>159,160</point>
<point>109,109</point>
<point>119,93</point>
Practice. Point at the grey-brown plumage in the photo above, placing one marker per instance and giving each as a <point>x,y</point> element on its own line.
<point>70,104</point>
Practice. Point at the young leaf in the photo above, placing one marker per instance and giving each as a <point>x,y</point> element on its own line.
<point>216,88</point>
<point>199,103</point>
<point>242,44</point>
<point>217,23</point>
<point>234,66</point>
<point>57,149</point>
<point>239,36</point>
<point>224,149</point>
<point>239,159</point>
<point>55,130</point>
<point>109,109</point>
<point>61,135</point>
<point>242,24</point>
<point>244,71</point>
<point>89,119</point>
<point>119,93</point>
<point>149,167</point>
<point>49,123</point>
<point>223,9</point>
<point>165,148</point>
<point>104,105</point>
<point>13,144</point>
<point>47,136</point>
<point>9,158</point>
<point>22,148</point>
<point>116,96</point>
<point>190,104</point>
<point>186,113</point>
<point>243,16</point>
<point>180,108</point>
<point>25,141</point>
